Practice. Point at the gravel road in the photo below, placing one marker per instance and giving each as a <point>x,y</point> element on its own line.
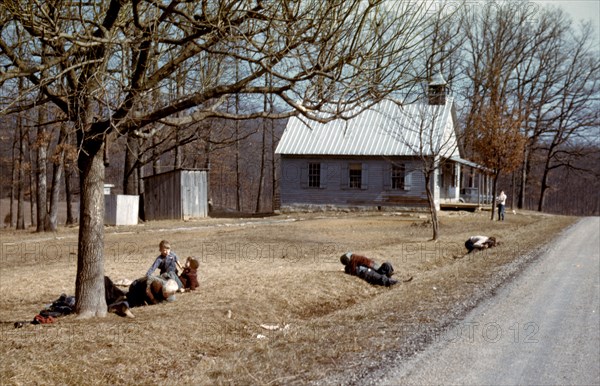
<point>541,329</point>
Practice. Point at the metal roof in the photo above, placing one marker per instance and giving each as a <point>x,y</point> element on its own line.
<point>386,129</point>
<point>469,163</point>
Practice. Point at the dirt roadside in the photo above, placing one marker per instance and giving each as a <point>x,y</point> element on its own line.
<point>542,328</point>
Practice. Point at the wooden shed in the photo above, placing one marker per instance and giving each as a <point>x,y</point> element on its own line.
<point>176,195</point>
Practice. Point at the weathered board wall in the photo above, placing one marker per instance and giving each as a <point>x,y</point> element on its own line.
<point>177,194</point>
<point>194,194</point>
<point>334,190</point>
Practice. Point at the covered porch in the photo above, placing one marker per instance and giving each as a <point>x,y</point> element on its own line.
<point>464,185</point>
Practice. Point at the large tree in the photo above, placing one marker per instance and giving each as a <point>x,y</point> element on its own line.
<point>498,141</point>
<point>109,65</point>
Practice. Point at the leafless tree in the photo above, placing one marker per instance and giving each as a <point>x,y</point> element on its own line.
<point>41,144</point>
<point>99,73</point>
<point>425,135</point>
<point>421,128</point>
<point>575,188</point>
<point>537,78</point>
<point>531,68</point>
<point>58,167</point>
<point>21,164</point>
<point>575,114</point>
<point>498,39</point>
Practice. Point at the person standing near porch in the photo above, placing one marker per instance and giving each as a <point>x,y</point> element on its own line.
<point>501,202</point>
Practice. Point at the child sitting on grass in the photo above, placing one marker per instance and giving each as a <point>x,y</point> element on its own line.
<point>189,276</point>
<point>167,262</point>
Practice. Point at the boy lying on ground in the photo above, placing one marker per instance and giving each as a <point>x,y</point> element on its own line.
<point>368,270</point>
<point>480,242</point>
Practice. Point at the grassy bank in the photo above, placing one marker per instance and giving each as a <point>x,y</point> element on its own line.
<point>280,271</point>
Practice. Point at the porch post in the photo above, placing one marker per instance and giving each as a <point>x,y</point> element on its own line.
<point>436,183</point>
<point>488,188</point>
<point>479,187</point>
<point>457,183</point>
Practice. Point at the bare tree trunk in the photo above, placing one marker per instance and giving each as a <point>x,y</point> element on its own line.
<point>261,177</point>
<point>522,187</point>
<point>130,175</point>
<point>106,152</point>
<point>69,196</point>
<point>32,183</point>
<point>156,159</point>
<point>140,180</point>
<point>32,196</point>
<point>21,176</point>
<point>13,177</point>
<point>41,172</point>
<point>57,172</point>
<point>544,185</point>
<point>274,203</point>
<point>274,180</point>
<point>263,149</point>
<point>179,92</point>
<point>139,173</point>
<point>177,158</point>
<point>435,225</point>
<point>514,190</point>
<point>524,175</point>
<point>89,285</point>
<point>207,166</point>
<point>272,149</point>
<point>238,180</point>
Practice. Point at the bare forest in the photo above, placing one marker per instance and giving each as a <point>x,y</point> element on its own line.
<point>234,167</point>
<point>554,167</point>
<point>111,92</point>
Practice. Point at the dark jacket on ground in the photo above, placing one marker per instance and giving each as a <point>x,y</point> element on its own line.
<point>113,293</point>
<point>374,277</point>
<point>116,299</point>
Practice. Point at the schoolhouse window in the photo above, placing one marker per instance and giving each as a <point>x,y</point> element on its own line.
<point>355,175</point>
<point>398,176</point>
<point>314,175</point>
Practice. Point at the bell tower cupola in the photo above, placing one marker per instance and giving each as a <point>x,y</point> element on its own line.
<point>436,90</point>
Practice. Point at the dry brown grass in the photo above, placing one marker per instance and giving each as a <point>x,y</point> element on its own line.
<point>282,270</point>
